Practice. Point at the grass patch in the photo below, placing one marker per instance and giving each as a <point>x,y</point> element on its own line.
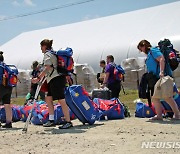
<point>18,101</point>
<point>129,98</point>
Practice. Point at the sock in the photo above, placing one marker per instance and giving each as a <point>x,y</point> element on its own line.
<point>51,117</point>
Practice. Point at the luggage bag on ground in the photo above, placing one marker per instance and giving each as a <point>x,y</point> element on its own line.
<point>101,93</point>
<point>81,105</point>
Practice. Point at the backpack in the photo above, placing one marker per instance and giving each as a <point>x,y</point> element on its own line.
<point>64,60</point>
<point>8,75</point>
<point>169,53</point>
<point>118,72</point>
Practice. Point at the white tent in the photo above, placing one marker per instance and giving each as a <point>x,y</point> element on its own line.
<point>94,39</point>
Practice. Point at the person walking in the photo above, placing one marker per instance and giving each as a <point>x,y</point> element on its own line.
<point>110,80</point>
<point>56,84</point>
<point>155,63</point>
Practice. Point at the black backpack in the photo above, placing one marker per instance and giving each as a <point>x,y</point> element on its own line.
<point>170,54</point>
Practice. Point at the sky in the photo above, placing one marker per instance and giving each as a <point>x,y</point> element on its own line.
<point>77,13</point>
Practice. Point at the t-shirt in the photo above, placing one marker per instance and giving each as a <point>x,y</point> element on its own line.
<point>51,60</point>
<point>110,69</point>
<point>153,65</point>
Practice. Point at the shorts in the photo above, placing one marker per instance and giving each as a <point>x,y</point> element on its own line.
<point>115,88</point>
<point>56,87</point>
<point>5,94</point>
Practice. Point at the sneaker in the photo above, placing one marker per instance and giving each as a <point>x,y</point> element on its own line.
<point>61,122</point>
<point>66,125</point>
<point>49,123</point>
<point>9,125</point>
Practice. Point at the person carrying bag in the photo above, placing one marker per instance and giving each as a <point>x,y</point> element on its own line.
<point>157,68</point>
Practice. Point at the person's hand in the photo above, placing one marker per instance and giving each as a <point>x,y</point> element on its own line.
<point>35,80</point>
<point>103,86</point>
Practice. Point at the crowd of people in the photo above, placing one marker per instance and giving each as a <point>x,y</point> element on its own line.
<point>56,82</point>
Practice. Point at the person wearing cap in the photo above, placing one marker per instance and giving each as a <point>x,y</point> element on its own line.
<point>5,96</point>
<point>56,85</point>
<point>36,71</point>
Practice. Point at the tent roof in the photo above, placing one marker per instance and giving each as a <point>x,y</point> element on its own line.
<point>94,39</point>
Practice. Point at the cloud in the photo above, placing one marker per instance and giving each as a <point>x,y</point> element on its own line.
<point>89,17</point>
<point>15,3</point>
<point>23,3</point>
<point>29,3</point>
<point>2,17</point>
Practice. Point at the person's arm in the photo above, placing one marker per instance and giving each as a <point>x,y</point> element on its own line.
<point>42,74</point>
<point>106,78</point>
<point>161,61</point>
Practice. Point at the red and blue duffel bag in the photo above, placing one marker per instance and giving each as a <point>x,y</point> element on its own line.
<point>59,116</point>
<point>25,111</point>
<point>176,97</point>
<point>16,114</point>
<point>144,111</point>
<point>111,109</point>
<point>81,105</point>
<point>40,114</point>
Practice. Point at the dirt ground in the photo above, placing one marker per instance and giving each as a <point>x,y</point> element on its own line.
<point>109,137</point>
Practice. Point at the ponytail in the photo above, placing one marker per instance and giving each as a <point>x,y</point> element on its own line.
<point>1,56</point>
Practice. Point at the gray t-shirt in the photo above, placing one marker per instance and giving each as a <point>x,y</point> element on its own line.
<point>51,60</point>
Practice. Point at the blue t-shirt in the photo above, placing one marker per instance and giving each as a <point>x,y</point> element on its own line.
<point>152,65</point>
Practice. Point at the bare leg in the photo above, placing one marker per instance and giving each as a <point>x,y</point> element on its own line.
<point>65,109</point>
<point>174,107</point>
<point>49,102</point>
<point>158,108</point>
<point>8,110</point>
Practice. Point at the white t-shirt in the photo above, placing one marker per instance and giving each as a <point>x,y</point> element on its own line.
<point>51,60</point>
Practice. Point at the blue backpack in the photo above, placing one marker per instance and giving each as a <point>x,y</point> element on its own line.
<point>118,72</point>
<point>8,75</point>
<point>64,60</point>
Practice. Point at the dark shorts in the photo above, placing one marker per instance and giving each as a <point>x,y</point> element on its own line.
<point>115,87</point>
<point>56,87</point>
<point>5,94</point>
